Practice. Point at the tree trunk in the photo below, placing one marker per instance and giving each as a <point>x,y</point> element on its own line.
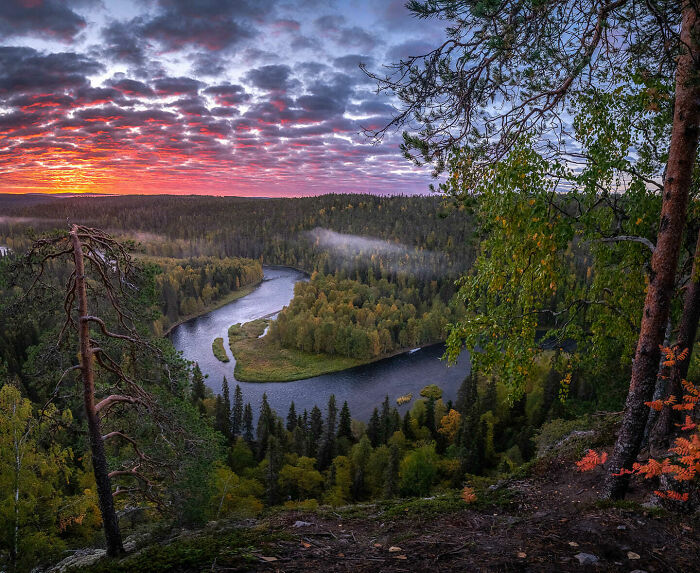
<point>99,459</point>
<point>664,261</point>
<point>687,330</point>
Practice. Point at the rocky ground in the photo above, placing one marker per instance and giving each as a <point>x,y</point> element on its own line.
<point>549,521</point>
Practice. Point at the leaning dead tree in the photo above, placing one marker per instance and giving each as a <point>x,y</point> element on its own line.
<point>100,279</point>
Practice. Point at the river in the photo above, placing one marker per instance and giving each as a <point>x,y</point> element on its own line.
<point>364,387</point>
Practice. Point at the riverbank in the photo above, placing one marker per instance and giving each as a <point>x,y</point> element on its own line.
<point>234,295</point>
<point>259,359</point>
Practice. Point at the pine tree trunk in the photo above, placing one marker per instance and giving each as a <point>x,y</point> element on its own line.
<point>687,330</point>
<point>99,459</point>
<point>664,261</point>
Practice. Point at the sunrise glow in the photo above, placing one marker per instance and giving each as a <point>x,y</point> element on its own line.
<point>240,98</point>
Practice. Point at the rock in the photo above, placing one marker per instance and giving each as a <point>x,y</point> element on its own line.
<point>80,558</point>
<point>586,558</point>
<point>302,524</point>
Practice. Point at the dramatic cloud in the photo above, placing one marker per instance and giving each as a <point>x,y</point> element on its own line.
<point>39,18</point>
<point>255,97</point>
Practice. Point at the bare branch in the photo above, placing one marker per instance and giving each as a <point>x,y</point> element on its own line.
<point>109,401</point>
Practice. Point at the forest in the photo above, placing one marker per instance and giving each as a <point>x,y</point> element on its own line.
<point>361,320</point>
<point>560,249</point>
<point>189,286</point>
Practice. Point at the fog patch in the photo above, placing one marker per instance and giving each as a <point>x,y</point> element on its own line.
<point>356,251</point>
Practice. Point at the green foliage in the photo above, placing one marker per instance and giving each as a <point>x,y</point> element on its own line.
<point>301,480</point>
<point>234,496</point>
<point>340,479</point>
<point>564,268</point>
<point>31,476</point>
<point>417,471</point>
<point>431,391</point>
<point>218,349</point>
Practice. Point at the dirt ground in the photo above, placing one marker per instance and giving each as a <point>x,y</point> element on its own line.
<point>547,525</point>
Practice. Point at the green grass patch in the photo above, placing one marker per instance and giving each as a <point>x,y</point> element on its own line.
<point>218,349</point>
<point>236,550</point>
<point>263,360</point>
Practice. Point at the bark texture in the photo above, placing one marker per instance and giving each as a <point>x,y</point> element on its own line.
<point>664,261</point>
<point>99,459</point>
<point>662,430</point>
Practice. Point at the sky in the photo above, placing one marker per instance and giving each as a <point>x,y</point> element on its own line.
<point>226,97</point>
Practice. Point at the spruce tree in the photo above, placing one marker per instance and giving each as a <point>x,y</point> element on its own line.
<point>220,416</point>
<point>391,476</point>
<point>247,424</point>
<point>237,412</point>
<point>430,416</point>
<point>275,460</point>
<point>395,422</point>
<point>374,429</point>
<point>227,408</point>
<point>345,423</point>
<point>327,450</point>
<point>291,418</point>
<point>266,426</point>
<point>467,394</point>
<point>385,421</point>
<point>406,427</point>
<point>315,431</point>
<point>198,392</point>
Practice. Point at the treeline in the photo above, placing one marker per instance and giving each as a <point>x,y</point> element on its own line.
<point>335,315</point>
<point>278,231</point>
<point>187,287</point>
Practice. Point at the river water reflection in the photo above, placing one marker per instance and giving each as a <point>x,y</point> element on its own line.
<point>364,387</point>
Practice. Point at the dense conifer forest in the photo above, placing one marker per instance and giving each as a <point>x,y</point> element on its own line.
<point>561,250</point>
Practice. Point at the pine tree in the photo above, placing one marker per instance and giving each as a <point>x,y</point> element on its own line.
<point>237,412</point>
<point>345,423</point>
<point>291,418</point>
<point>247,424</point>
